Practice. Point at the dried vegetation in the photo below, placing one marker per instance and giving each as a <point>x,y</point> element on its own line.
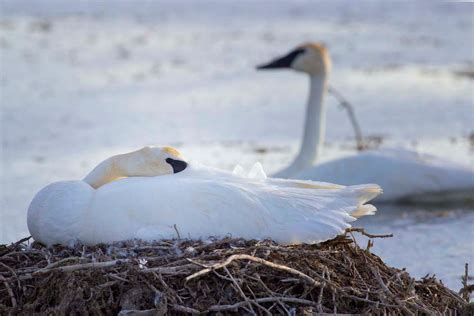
<point>215,276</point>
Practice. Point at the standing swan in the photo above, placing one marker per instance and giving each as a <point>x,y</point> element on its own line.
<point>405,176</point>
<point>149,193</point>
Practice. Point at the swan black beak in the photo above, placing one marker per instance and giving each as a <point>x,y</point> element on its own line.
<point>282,62</point>
<point>177,165</point>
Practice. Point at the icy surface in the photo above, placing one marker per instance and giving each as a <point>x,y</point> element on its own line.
<point>88,79</point>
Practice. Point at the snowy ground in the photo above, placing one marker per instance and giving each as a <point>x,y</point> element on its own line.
<point>84,80</point>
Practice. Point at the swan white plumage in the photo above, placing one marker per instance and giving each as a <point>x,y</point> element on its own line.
<point>405,176</point>
<point>161,190</point>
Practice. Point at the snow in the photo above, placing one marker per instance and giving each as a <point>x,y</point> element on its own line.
<point>89,79</point>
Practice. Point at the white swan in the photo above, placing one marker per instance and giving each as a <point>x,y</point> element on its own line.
<point>166,191</point>
<point>405,176</point>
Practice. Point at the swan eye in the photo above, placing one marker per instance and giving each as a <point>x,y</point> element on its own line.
<point>177,165</point>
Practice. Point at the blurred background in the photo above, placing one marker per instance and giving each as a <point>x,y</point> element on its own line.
<point>84,80</point>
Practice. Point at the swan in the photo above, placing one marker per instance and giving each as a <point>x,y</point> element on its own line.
<point>405,176</point>
<point>150,193</point>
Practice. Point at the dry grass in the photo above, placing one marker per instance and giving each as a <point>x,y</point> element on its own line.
<point>222,275</point>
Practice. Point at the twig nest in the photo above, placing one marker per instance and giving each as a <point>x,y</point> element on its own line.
<point>213,276</point>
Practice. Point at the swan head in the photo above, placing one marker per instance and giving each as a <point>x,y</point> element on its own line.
<point>310,58</point>
<point>145,162</point>
<point>154,161</point>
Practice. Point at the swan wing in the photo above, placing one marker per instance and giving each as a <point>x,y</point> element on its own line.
<point>211,203</point>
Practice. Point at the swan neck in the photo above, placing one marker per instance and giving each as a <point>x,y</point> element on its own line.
<point>314,128</point>
<point>107,171</point>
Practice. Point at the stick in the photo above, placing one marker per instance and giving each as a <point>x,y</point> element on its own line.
<point>320,298</point>
<point>465,287</point>
<point>13,246</point>
<point>171,270</point>
<point>9,290</point>
<point>118,278</point>
<point>104,265</point>
<point>388,292</point>
<point>220,308</point>
<point>184,309</point>
<point>239,289</point>
<point>177,231</point>
<point>54,264</point>
<point>363,232</point>
<point>350,110</point>
<point>82,266</point>
<point>356,298</point>
<point>303,276</point>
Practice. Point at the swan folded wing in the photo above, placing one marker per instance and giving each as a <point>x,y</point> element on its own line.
<point>314,215</point>
<point>304,184</point>
<point>154,208</point>
<point>292,211</point>
<point>199,207</point>
<point>364,192</point>
<point>288,215</point>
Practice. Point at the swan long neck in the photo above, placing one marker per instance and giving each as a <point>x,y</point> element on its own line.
<point>107,171</point>
<point>315,124</point>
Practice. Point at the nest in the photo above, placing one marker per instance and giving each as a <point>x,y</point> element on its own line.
<point>214,276</point>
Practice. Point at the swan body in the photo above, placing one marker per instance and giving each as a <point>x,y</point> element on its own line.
<point>200,202</point>
<point>405,176</point>
<point>410,176</point>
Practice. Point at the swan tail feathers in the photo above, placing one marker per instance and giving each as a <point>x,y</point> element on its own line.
<point>315,214</point>
<point>365,192</point>
<point>364,210</point>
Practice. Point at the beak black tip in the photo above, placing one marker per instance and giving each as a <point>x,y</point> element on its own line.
<point>282,62</point>
<point>177,165</point>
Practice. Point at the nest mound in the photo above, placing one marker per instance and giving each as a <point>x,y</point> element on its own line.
<point>214,276</point>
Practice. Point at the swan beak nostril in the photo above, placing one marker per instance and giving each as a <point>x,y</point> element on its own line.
<point>177,165</point>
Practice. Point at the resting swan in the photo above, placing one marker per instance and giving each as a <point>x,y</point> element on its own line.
<point>149,193</point>
<point>405,176</point>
